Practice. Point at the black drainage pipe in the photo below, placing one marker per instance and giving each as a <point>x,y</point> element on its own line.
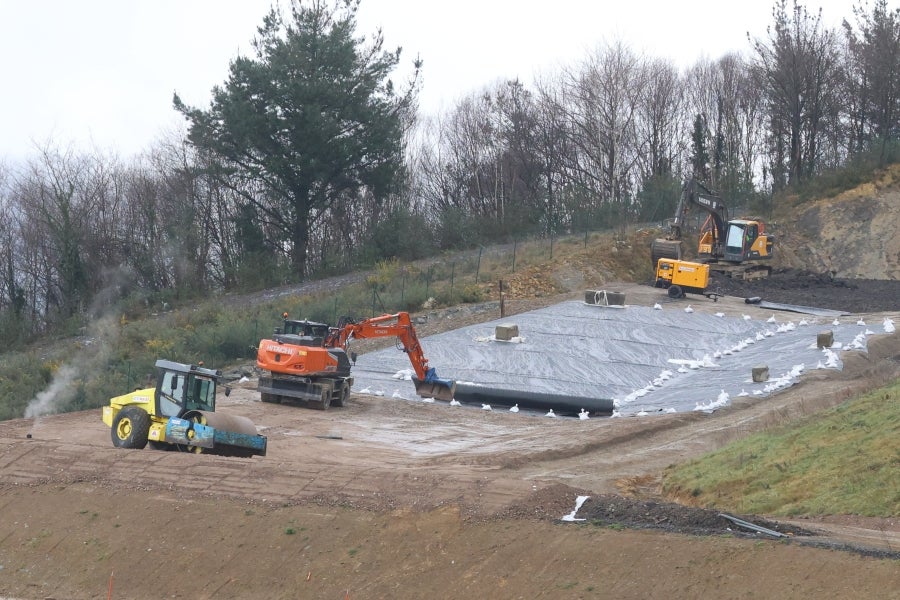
<point>561,404</point>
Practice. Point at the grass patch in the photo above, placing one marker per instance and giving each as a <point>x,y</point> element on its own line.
<point>844,461</point>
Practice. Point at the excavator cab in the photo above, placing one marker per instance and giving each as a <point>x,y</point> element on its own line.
<point>747,240</point>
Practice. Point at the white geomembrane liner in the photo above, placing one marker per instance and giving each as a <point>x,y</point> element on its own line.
<point>648,360</point>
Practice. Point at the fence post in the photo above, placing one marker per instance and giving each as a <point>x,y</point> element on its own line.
<point>515,245</point>
<point>373,299</point>
<point>452,273</point>
<point>402,286</point>
<point>478,266</point>
<point>551,247</point>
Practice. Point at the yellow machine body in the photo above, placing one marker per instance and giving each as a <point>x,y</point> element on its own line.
<point>682,275</point>
<point>179,413</point>
<point>143,399</point>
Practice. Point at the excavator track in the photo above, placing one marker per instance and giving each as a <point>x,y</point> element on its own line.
<point>743,272</point>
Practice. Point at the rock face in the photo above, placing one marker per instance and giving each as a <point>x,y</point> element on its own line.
<point>852,235</point>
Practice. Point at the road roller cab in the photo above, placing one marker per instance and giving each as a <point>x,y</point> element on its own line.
<point>179,413</point>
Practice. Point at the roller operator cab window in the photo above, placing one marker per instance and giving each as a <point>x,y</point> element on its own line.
<point>202,394</point>
<point>181,392</point>
<point>171,394</point>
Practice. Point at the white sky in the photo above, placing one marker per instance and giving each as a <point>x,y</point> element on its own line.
<point>101,73</point>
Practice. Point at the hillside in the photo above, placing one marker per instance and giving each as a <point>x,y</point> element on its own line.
<point>852,235</point>
<point>385,499</point>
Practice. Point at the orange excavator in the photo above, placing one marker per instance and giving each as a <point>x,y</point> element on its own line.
<point>310,362</point>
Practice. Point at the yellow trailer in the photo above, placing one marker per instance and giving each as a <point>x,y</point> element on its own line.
<point>680,277</point>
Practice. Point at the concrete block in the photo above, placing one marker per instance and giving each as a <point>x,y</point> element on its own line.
<point>506,331</point>
<point>604,298</point>
<point>825,339</point>
<point>615,298</point>
<point>760,373</point>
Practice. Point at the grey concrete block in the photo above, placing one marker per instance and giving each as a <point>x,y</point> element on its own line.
<point>506,331</point>
<point>760,373</point>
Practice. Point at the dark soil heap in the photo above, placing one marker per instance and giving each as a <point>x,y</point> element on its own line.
<point>821,290</point>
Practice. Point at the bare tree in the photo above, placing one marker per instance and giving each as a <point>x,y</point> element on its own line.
<point>873,82</point>
<point>553,146</point>
<point>799,69</point>
<point>604,96</point>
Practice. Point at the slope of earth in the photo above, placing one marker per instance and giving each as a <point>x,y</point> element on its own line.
<point>405,499</point>
<point>850,236</point>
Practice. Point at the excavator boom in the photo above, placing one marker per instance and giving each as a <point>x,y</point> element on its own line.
<point>399,325</point>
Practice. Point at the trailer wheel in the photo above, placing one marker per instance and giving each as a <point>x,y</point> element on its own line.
<point>675,292</point>
<point>130,428</point>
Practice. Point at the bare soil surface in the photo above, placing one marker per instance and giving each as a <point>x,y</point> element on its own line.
<point>406,499</point>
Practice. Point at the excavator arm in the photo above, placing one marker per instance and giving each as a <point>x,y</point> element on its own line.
<point>399,325</point>
<point>694,193</point>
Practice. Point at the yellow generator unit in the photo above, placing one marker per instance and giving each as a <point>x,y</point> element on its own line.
<point>681,277</point>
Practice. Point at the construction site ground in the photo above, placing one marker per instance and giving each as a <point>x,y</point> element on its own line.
<point>388,498</point>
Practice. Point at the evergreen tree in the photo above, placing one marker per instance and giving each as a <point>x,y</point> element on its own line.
<point>314,116</point>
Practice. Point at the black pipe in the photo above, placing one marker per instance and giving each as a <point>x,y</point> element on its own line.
<point>561,404</point>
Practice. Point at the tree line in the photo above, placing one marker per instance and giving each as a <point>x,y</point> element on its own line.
<point>311,159</point>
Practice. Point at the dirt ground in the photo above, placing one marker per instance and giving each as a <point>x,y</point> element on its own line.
<point>407,499</point>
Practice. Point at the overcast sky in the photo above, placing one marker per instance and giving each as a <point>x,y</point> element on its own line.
<point>101,73</point>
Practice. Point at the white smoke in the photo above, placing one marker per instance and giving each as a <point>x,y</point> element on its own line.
<point>60,391</point>
<point>91,357</point>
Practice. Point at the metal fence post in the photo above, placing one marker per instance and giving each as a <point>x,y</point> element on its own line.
<point>452,273</point>
<point>478,266</point>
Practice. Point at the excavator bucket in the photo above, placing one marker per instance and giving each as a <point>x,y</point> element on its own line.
<point>434,387</point>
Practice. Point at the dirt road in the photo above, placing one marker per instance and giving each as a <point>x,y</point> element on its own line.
<point>406,499</point>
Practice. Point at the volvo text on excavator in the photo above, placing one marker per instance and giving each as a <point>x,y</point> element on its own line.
<point>736,247</point>
<point>310,362</point>
<point>180,414</point>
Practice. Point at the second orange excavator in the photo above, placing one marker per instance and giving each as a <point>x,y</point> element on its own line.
<point>310,362</point>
